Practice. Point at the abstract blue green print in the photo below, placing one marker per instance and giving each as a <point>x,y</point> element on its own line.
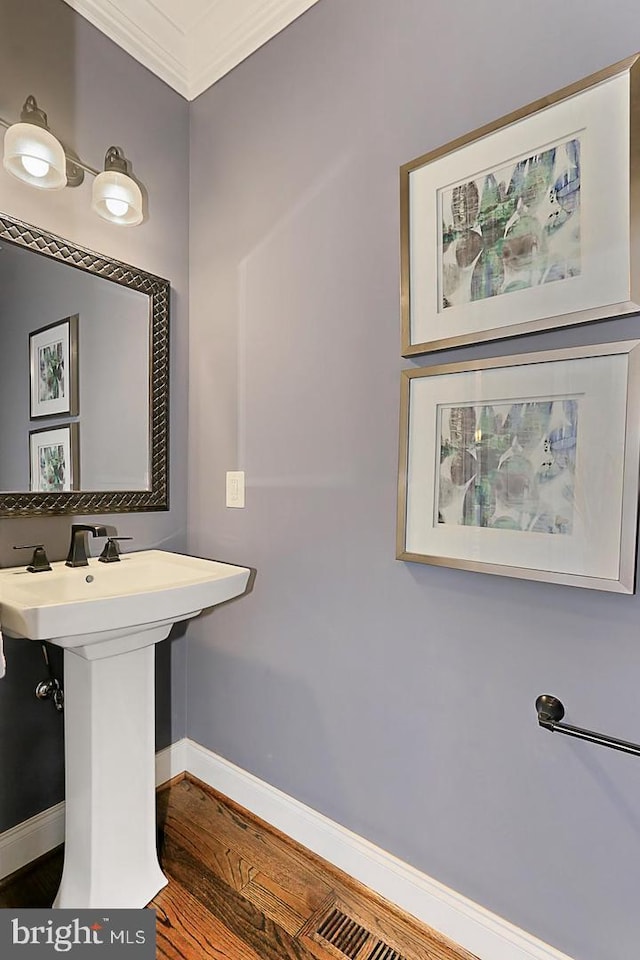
<point>51,372</point>
<point>51,461</point>
<point>508,466</point>
<point>512,228</point>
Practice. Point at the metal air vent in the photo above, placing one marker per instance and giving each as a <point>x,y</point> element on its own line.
<point>353,940</point>
<point>382,951</point>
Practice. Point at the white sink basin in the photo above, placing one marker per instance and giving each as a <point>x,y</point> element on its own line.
<point>108,617</point>
<point>77,607</point>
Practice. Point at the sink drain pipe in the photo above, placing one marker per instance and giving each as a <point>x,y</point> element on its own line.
<point>50,689</point>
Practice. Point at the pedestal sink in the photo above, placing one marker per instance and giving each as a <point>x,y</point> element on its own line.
<point>108,618</point>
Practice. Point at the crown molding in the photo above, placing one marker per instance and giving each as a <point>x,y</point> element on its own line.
<point>221,41</point>
<point>193,55</point>
<point>151,39</point>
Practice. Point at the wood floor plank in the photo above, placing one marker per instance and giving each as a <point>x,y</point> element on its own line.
<point>227,864</point>
<point>232,909</point>
<point>186,930</point>
<point>34,885</point>
<point>266,852</point>
<point>285,908</point>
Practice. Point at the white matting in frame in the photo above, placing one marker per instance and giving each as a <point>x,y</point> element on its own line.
<point>557,244</point>
<point>524,466</point>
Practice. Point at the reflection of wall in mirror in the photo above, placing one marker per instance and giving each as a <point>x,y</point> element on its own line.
<point>113,369</point>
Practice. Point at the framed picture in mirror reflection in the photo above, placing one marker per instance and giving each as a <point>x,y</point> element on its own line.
<point>54,459</point>
<point>53,369</point>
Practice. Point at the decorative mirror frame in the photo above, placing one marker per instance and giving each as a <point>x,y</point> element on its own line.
<point>20,504</point>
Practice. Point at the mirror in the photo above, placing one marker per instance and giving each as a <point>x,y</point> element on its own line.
<point>84,378</point>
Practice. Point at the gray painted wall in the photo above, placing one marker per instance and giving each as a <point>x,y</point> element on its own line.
<point>395,698</point>
<point>95,96</point>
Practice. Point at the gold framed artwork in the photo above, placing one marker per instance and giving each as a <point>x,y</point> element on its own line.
<point>528,223</point>
<point>524,466</point>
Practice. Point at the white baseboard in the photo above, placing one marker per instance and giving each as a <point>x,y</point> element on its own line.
<point>483,933</point>
<point>31,839</point>
<point>171,761</point>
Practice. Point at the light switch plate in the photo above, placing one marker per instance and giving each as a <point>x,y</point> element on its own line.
<point>235,488</point>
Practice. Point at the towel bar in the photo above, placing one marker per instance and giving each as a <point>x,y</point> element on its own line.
<point>551,711</point>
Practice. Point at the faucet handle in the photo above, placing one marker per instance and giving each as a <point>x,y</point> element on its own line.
<point>111,550</point>
<point>39,561</point>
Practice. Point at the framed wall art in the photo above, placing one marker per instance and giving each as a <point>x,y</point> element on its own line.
<point>54,459</point>
<point>524,466</point>
<point>53,369</point>
<point>529,223</point>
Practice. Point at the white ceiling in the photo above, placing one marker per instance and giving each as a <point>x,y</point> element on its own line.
<point>190,43</point>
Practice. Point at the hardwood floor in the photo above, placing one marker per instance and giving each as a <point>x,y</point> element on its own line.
<point>239,890</point>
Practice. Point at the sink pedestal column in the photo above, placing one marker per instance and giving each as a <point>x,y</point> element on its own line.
<point>110,856</point>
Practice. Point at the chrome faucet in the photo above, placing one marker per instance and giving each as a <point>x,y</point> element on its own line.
<point>77,556</point>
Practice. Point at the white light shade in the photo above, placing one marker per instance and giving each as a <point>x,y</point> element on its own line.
<point>33,155</point>
<point>117,198</point>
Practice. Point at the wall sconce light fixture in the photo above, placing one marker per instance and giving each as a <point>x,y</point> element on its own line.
<point>32,153</point>
<point>115,196</point>
<point>35,156</point>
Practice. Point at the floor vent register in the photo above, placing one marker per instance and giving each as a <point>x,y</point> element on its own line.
<point>351,939</point>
